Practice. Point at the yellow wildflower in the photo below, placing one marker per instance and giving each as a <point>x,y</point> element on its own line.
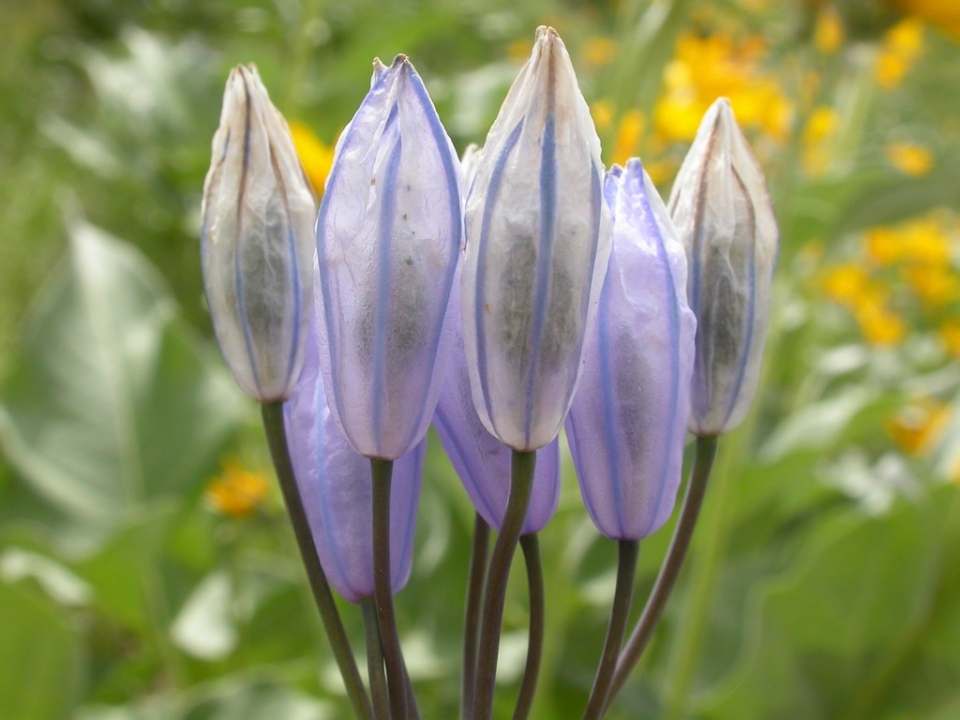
<point>943,14</point>
<point>880,325</point>
<point>828,33</point>
<point>935,285</point>
<point>925,242</point>
<point>818,135</point>
<point>600,51</point>
<point>846,284</point>
<point>900,48</point>
<point>315,157</point>
<point>602,112</point>
<point>629,133</point>
<point>917,428</point>
<point>950,337</point>
<point>237,492</point>
<point>910,159</point>
<point>519,50</point>
<point>883,245</point>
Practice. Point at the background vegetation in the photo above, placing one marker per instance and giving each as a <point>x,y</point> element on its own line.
<point>147,570</point>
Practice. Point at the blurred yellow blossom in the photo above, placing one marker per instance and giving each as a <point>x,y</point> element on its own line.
<point>846,284</point>
<point>880,325</point>
<point>602,112</point>
<point>705,68</point>
<point>950,337</point>
<point>629,133</point>
<point>828,33</point>
<point>915,429</point>
<point>910,159</point>
<point>935,285</point>
<point>818,134</point>
<point>942,14</point>
<point>899,49</point>
<point>315,157</point>
<point>519,50</point>
<point>600,51</point>
<point>237,492</point>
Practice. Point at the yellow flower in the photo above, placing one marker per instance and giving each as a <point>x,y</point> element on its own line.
<point>883,245</point>
<point>817,140</point>
<point>828,33</point>
<point>846,284</point>
<point>600,51</point>
<point>629,133</point>
<point>237,492</point>
<point>315,157</point>
<point>917,428</point>
<point>910,159</point>
<point>880,325</point>
<point>943,14</point>
<point>935,285</point>
<point>602,112</point>
<point>519,50</point>
<point>900,48</point>
<point>950,337</point>
<point>925,242</point>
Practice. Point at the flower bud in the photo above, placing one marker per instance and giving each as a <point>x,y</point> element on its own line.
<point>257,241</point>
<point>537,248</point>
<point>482,462</point>
<point>336,487</point>
<point>628,420</point>
<point>388,241</point>
<point>724,217</point>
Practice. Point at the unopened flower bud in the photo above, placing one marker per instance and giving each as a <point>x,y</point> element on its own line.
<point>722,210</point>
<point>537,248</point>
<point>628,420</point>
<point>257,241</point>
<point>388,241</point>
<point>336,488</point>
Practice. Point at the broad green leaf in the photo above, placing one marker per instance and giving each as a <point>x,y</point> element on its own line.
<point>111,402</point>
<point>41,658</point>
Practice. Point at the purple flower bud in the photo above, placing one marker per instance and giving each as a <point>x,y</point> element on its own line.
<point>627,423</point>
<point>482,462</point>
<point>336,487</point>
<point>724,217</point>
<point>537,248</point>
<point>257,241</point>
<point>388,241</point>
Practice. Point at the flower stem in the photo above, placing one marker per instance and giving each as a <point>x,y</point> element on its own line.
<point>670,570</point>
<point>531,671</point>
<point>382,588</point>
<point>521,483</point>
<point>471,624</point>
<point>375,672</point>
<point>337,636</point>
<point>619,615</point>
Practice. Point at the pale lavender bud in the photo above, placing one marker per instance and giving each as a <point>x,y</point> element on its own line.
<point>257,241</point>
<point>537,248</point>
<point>724,217</point>
<point>336,488</point>
<point>388,241</point>
<point>628,420</point>
<point>482,462</point>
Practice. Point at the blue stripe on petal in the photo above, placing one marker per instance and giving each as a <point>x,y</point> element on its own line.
<point>612,448</point>
<point>384,283</point>
<point>295,290</point>
<point>493,192</point>
<point>548,221</point>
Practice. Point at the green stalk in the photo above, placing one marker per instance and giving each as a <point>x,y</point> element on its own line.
<point>619,616</point>
<point>471,623</point>
<point>375,672</point>
<point>382,588</point>
<point>670,570</point>
<point>277,440</point>
<point>531,671</point>
<point>521,483</point>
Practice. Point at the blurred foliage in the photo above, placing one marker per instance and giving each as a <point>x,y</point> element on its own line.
<point>147,570</point>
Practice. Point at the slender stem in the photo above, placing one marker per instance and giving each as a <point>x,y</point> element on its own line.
<point>471,623</point>
<point>619,615</point>
<point>382,588</point>
<point>521,483</point>
<point>531,672</point>
<point>375,673</point>
<point>670,570</point>
<point>337,636</point>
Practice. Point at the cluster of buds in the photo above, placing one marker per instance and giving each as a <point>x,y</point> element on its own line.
<point>504,297</point>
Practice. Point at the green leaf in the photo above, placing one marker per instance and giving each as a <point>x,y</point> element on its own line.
<point>111,403</point>
<point>41,662</point>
